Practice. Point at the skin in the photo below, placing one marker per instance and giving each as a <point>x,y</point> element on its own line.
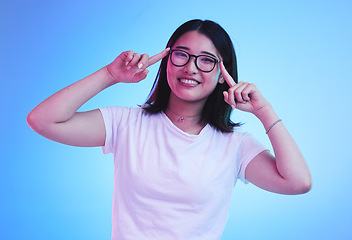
<point>57,118</point>
<point>287,172</point>
<point>188,99</point>
<point>196,44</point>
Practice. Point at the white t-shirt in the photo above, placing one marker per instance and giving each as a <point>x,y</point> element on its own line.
<point>169,184</point>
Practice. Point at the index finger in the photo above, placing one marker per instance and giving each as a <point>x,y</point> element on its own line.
<point>226,75</point>
<point>157,57</point>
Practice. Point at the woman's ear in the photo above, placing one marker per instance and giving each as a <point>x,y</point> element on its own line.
<point>221,79</point>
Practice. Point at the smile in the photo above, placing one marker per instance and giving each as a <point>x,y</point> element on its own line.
<point>189,81</point>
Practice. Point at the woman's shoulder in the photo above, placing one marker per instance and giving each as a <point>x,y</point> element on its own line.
<point>236,132</point>
<point>130,112</point>
<point>122,109</point>
<point>237,135</point>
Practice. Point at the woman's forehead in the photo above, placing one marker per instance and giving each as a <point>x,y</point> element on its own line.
<point>196,43</point>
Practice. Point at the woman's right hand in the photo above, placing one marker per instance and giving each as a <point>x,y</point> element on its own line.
<point>130,67</point>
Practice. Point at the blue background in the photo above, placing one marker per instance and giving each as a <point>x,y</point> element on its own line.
<point>298,53</point>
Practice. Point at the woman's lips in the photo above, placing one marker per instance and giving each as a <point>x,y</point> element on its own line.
<point>188,82</point>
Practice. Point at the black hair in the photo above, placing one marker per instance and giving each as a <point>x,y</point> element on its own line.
<point>216,111</point>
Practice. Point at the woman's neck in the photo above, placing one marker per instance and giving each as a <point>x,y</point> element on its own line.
<point>184,108</point>
<point>185,115</point>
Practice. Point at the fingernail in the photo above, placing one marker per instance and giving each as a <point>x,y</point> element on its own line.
<point>128,68</point>
<point>126,63</point>
<point>140,65</point>
<point>233,107</point>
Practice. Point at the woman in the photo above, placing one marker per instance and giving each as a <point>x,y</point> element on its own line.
<point>178,156</point>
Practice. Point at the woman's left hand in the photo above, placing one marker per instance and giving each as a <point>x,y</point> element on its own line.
<point>243,95</point>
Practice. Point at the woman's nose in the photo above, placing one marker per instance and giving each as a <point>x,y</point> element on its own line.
<point>191,66</point>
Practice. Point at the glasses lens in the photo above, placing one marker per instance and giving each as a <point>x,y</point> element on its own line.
<point>179,58</point>
<point>205,63</point>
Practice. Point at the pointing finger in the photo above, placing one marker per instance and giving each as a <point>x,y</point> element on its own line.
<point>226,75</point>
<point>156,58</point>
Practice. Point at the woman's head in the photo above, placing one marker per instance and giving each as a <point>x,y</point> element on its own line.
<point>216,111</point>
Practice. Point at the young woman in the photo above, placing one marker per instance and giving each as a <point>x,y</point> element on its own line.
<point>178,156</point>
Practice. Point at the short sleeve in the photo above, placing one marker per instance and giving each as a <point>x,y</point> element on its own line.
<point>249,148</point>
<point>113,119</point>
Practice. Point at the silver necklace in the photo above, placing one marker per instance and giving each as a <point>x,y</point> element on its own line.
<point>180,118</point>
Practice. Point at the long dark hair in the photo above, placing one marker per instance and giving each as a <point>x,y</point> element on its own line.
<point>216,111</point>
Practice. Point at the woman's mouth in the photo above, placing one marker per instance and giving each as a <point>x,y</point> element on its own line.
<point>188,81</point>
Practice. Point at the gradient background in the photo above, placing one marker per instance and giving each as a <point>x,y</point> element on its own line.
<point>298,53</point>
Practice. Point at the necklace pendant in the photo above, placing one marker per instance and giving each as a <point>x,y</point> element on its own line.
<point>181,119</point>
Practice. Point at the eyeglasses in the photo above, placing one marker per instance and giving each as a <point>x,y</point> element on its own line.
<point>204,63</point>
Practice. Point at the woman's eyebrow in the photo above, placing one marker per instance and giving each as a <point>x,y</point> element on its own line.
<point>182,47</point>
<point>209,53</point>
<point>187,48</point>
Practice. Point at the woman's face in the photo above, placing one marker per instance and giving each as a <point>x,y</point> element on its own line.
<point>188,83</point>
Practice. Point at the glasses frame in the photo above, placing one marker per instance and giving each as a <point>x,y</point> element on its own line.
<point>195,59</point>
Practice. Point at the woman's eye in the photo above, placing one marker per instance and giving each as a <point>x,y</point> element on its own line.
<point>180,54</point>
<point>207,60</point>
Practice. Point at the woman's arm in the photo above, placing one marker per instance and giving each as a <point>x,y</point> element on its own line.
<point>57,118</point>
<point>287,172</point>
